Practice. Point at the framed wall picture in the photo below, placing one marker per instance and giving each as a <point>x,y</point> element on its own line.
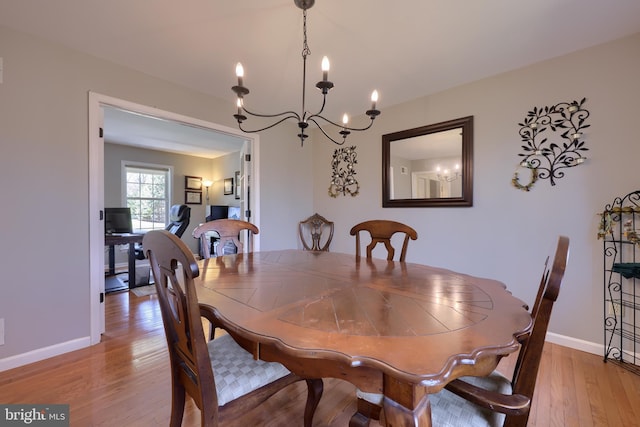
<point>238,187</point>
<point>228,186</point>
<point>193,197</point>
<point>193,183</point>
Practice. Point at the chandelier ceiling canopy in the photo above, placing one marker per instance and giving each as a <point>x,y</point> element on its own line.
<point>304,117</point>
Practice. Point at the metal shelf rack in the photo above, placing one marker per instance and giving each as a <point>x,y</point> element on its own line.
<point>621,248</point>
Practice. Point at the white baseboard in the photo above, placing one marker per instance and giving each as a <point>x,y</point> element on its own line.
<point>576,344</point>
<point>43,353</point>
<point>55,350</point>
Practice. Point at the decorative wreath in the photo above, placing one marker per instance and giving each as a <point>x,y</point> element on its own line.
<point>516,183</point>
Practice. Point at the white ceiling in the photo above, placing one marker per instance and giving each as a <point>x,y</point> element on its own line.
<point>127,128</point>
<point>405,49</point>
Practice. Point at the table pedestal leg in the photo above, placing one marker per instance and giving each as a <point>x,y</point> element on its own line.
<point>132,265</point>
<point>397,415</point>
<point>405,404</point>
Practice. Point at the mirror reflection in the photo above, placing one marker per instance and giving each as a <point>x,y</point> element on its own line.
<point>429,166</point>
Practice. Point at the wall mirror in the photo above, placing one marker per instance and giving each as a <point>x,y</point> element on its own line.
<point>429,166</point>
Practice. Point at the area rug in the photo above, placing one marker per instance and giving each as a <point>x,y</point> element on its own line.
<point>144,290</point>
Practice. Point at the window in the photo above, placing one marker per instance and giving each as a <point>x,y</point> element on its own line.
<point>147,194</point>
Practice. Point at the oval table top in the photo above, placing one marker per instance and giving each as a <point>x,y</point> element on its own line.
<point>420,325</point>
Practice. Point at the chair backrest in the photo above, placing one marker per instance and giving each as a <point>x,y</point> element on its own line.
<point>381,231</point>
<point>526,370</point>
<point>179,216</point>
<point>313,228</point>
<point>228,230</point>
<point>174,269</point>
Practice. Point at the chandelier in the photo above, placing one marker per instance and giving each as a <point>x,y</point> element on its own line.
<point>305,116</point>
<point>445,176</point>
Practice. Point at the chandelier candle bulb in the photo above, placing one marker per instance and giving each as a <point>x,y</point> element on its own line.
<point>374,99</point>
<point>325,68</point>
<point>239,73</point>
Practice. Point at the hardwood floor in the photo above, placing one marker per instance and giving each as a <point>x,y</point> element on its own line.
<point>124,381</point>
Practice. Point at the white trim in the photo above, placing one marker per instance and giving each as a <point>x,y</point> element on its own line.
<point>43,353</point>
<point>575,343</point>
<point>58,349</point>
<point>96,188</point>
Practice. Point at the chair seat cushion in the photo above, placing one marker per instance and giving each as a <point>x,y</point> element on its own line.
<point>451,410</point>
<point>236,372</point>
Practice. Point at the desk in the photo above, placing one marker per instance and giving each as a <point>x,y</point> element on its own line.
<point>401,329</point>
<point>122,239</point>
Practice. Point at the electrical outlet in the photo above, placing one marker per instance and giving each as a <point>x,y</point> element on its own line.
<point>1,331</point>
<point>615,308</point>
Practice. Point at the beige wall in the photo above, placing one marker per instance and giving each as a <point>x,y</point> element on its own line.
<point>44,170</point>
<point>508,232</point>
<point>44,181</point>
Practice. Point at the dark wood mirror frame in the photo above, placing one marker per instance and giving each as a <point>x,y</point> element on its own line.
<point>466,123</point>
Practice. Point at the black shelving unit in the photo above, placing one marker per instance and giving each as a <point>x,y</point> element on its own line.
<point>621,247</point>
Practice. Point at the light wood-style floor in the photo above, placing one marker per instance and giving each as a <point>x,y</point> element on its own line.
<point>124,381</point>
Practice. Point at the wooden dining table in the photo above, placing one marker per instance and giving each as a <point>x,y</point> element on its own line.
<point>397,328</point>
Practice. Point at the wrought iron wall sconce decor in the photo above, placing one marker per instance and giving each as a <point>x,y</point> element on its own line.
<point>343,173</point>
<point>547,158</point>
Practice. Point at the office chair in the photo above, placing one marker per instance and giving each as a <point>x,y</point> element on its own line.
<point>179,216</point>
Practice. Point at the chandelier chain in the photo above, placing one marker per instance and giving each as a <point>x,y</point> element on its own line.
<point>305,46</point>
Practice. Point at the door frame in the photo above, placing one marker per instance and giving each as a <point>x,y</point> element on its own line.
<point>97,102</point>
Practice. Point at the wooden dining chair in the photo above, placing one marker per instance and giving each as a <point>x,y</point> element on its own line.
<point>381,231</point>
<point>496,400</point>
<point>311,232</point>
<point>229,231</point>
<point>493,400</point>
<point>223,379</point>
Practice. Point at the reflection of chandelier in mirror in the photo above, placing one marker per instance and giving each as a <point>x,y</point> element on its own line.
<point>445,176</point>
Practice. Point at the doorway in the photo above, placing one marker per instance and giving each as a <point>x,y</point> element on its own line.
<point>97,104</point>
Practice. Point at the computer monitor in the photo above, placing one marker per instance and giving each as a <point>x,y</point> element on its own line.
<point>218,212</point>
<point>117,221</point>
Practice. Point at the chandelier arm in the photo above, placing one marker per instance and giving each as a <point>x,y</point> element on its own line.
<point>318,114</point>
<point>290,113</point>
<point>341,126</point>
<point>295,116</point>
<point>360,129</point>
<point>311,119</point>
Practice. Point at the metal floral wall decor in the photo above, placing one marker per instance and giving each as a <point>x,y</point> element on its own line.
<point>343,173</point>
<point>546,153</point>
